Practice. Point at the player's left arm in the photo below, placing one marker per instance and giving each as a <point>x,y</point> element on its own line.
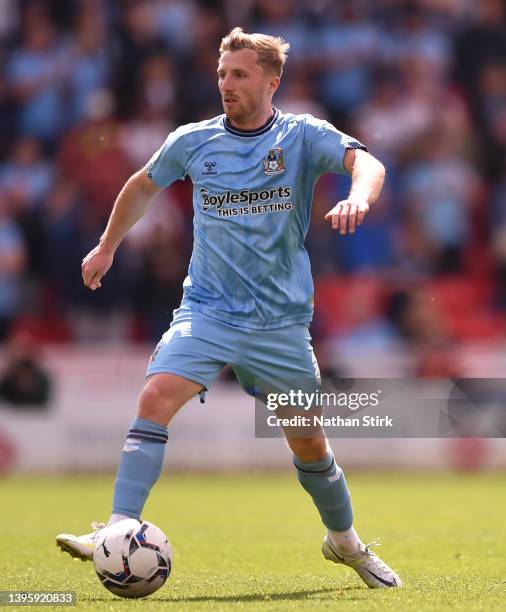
<point>367,178</point>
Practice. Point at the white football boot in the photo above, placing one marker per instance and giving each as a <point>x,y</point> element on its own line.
<point>373,571</point>
<point>80,547</point>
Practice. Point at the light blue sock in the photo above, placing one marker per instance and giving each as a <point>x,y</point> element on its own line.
<point>324,481</point>
<point>140,466</point>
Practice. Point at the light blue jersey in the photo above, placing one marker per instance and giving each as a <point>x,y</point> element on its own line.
<point>252,199</point>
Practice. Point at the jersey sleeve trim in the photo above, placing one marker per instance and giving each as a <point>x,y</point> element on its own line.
<point>355,144</point>
<point>168,164</point>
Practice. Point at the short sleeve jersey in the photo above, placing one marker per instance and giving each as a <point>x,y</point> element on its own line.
<point>252,194</point>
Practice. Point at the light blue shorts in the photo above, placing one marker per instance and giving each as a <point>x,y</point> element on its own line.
<point>197,347</point>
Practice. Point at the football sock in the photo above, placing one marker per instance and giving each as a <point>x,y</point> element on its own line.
<point>140,466</point>
<point>324,481</point>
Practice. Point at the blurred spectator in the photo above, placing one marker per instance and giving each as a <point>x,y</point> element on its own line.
<point>91,59</point>
<point>26,179</point>
<point>497,222</point>
<point>480,61</point>
<point>35,74</point>
<point>176,20</point>
<point>24,382</point>
<point>367,328</point>
<point>284,18</point>
<point>492,114</point>
<point>347,45</point>
<point>62,251</point>
<point>440,190</point>
<point>483,41</point>
<point>200,94</point>
<point>417,317</point>
<point>402,109</point>
<point>385,121</point>
<point>415,35</point>
<point>163,219</point>
<point>12,262</point>
<point>158,288</point>
<point>138,37</point>
<point>152,121</point>
<point>238,12</point>
<point>424,91</point>
<point>71,228</point>
<point>92,156</point>
<point>102,316</point>
<point>297,98</point>
<point>26,176</point>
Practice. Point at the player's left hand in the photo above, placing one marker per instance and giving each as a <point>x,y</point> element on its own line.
<point>347,215</point>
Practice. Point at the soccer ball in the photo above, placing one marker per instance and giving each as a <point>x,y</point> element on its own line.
<point>132,558</point>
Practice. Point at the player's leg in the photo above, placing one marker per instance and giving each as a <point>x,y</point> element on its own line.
<point>324,480</point>
<point>142,456</point>
<point>284,359</point>
<point>144,451</point>
<point>186,360</point>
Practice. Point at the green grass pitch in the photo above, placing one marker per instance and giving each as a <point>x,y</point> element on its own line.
<point>252,541</point>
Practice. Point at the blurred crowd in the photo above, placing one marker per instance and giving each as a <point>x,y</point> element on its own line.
<point>89,90</point>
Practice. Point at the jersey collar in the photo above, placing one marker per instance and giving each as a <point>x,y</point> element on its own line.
<point>249,133</point>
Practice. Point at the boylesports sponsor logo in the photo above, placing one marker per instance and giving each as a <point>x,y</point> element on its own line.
<point>246,201</point>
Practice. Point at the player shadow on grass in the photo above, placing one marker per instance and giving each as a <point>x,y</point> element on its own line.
<point>294,595</point>
<point>289,595</point>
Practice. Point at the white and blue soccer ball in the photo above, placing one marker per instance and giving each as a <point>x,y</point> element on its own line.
<point>132,558</point>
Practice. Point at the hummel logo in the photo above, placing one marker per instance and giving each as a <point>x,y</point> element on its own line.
<point>210,168</point>
<point>106,552</point>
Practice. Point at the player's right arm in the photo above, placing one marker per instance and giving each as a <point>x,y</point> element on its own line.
<point>131,204</point>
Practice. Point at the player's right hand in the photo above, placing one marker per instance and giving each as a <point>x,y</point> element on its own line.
<point>347,215</point>
<point>95,266</point>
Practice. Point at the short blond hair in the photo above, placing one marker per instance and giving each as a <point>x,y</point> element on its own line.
<point>272,50</point>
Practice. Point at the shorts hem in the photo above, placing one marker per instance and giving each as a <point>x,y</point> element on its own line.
<point>169,370</point>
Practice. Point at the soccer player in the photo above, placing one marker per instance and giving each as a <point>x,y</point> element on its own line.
<point>248,296</point>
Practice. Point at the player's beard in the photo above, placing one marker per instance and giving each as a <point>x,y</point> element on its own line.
<point>234,111</point>
<point>240,112</point>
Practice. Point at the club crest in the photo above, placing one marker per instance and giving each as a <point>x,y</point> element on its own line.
<point>274,163</point>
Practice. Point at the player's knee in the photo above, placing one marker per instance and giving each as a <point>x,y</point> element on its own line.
<point>156,406</point>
